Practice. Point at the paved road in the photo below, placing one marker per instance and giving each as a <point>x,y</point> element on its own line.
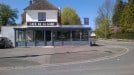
<point>123,65</point>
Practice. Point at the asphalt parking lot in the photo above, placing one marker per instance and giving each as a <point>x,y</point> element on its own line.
<point>47,56</point>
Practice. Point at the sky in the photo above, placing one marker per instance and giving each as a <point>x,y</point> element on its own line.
<point>84,8</point>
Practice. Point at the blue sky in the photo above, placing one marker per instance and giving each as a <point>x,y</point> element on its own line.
<point>84,8</point>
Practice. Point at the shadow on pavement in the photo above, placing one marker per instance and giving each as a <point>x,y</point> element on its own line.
<point>25,56</point>
<point>96,45</point>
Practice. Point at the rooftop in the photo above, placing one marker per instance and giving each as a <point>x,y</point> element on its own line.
<point>40,5</point>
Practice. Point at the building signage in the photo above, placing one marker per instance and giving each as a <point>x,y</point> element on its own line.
<point>86,21</point>
<point>41,23</point>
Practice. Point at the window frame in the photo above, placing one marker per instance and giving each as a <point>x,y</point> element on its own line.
<point>41,16</point>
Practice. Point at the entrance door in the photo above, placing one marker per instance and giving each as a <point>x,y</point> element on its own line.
<point>48,38</point>
<point>39,37</point>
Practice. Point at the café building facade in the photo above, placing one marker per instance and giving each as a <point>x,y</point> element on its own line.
<point>41,26</point>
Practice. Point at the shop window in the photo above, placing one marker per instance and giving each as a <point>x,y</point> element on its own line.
<point>20,35</point>
<point>30,35</point>
<point>39,35</point>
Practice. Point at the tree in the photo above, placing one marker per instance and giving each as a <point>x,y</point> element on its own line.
<point>103,20</point>
<point>69,17</point>
<point>118,10</point>
<point>127,17</point>
<point>7,15</point>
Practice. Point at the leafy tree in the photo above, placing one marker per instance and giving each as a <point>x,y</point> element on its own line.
<point>127,17</point>
<point>118,10</point>
<point>7,15</point>
<point>103,20</point>
<point>69,17</point>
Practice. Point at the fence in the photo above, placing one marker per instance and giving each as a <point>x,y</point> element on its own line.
<point>123,35</point>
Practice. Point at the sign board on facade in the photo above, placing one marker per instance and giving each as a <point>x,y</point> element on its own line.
<point>86,21</point>
<point>41,23</point>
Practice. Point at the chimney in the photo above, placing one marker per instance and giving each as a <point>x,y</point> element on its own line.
<point>30,3</point>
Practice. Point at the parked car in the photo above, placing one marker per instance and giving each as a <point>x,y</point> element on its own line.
<point>5,43</point>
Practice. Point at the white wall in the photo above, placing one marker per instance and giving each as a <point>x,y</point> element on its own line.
<point>32,15</point>
<point>51,17</point>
